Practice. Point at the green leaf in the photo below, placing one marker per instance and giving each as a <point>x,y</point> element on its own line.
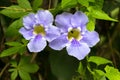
<point>98,60</point>
<point>81,69</point>
<point>22,47</point>
<point>56,10</point>
<point>13,63</point>
<point>26,66</point>
<point>13,29</point>
<point>84,2</point>
<point>99,75</point>
<point>68,68</point>
<point>9,51</point>
<point>37,4</point>
<point>25,42</point>
<point>12,69</point>
<point>118,1</point>
<point>91,23</point>
<point>68,3</point>
<point>98,4</point>
<point>13,43</point>
<point>14,11</point>
<point>91,0</point>
<point>14,75</point>
<point>24,75</point>
<point>115,12</point>
<point>22,50</point>
<point>24,4</point>
<point>24,60</point>
<point>112,73</point>
<point>99,14</point>
<point>100,72</point>
<point>13,50</point>
<point>30,68</point>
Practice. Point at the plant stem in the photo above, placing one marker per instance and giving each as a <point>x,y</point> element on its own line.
<point>4,69</point>
<point>1,73</point>
<point>49,4</point>
<point>55,3</point>
<point>39,76</point>
<point>33,57</point>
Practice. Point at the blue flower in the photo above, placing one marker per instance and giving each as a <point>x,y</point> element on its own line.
<point>74,35</point>
<point>38,29</point>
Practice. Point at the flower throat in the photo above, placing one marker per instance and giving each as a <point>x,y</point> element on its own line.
<point>39,30</point>
<point>74,34</point>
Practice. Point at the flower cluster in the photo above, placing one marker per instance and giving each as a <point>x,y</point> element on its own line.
<point>38,29</point>
<point>70,32</point>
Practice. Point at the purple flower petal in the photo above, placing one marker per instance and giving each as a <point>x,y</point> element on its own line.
<point>29,21</point>
<point>37,44</point>
<point>63,21</point>
<point>59,43</point>
<point>27,34</point>
<point>44,17</point>
<point>91,38</point>
<point>52,33</point>
<point>78,50</point>
<point>79,19</point>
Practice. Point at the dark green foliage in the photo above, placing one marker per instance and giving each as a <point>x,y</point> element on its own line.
<point>102,63</point>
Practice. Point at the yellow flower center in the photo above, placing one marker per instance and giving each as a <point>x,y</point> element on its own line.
<point>74,34</point>
<point>39,30</point>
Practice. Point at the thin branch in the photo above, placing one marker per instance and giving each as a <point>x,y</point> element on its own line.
<point>6,66</point>
<point>33,57</point>
<point>112,51</point>
<point>40,76</point>
<point>4,69</point>
<point>49,6</point>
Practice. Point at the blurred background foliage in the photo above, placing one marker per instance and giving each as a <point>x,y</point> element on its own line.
<point>57,65</point>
